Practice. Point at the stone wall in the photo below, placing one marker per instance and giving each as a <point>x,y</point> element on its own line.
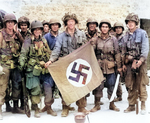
<point>115,10</point>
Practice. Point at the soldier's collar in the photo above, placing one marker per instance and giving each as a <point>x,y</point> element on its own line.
<point>34,39</point>
<point>66,31</point>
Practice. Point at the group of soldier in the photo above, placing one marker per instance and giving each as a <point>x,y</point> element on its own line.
<point>25,55</point>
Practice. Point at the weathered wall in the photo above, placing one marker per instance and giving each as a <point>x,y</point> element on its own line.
<point>115,10</point>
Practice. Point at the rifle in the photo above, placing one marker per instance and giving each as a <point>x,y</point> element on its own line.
<point>25,97</point>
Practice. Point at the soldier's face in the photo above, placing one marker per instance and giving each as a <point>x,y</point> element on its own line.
<point>46,28</point>
<point>23,27</point>
<point>55,27</point>
<point>71,24</point>
<point>131,25</point>
<point>37,32</point>
<point>104,28</point>
<point>92,26</point>
<point>118,30</point>
<point>10,24</point>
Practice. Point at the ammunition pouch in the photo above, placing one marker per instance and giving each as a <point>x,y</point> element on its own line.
<point>5,58</point>
<point>37,70</point>
<point>32,62</point>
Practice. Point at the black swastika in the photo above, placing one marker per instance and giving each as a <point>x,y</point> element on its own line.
<point>79,73</point>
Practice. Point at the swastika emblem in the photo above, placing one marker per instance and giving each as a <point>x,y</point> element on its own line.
<point>79,73</point>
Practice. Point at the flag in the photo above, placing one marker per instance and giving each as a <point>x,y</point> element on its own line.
<point>77,74</point>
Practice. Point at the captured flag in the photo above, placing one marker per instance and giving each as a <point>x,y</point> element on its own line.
<point>77,74</point>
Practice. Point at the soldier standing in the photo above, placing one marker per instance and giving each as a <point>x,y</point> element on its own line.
<point>24,24</point>
<point>51,38</point>
<point>92,32</point>
<point>67,42</point>
<point>91,28</point>
<point>10,46</point>
<point>45,27</point>
<point>54,26</point>
<point>34,53</point>
<point>118,29</point>
<point>137,46</point>
<point>107,53</point>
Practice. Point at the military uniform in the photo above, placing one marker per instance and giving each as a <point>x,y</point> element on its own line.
<point>34,54</point>
<point>10,46</point>
<point>121,44</point>
<point>137,46</point>
<point>66,44</point>
<point>108,55</point>
<point>25,20</point>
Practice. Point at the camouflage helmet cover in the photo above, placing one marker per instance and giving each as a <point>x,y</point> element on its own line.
<point>91,20</point>
<point>23,19</point>
<point>69,16</point>
<point>132,17</point>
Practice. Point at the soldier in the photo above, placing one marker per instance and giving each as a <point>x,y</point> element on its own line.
<point>91,28</point>
<point>91,33</point>
<point>118,29</point>
<point>72,38</point>
<point>137,46</point>
<point>34,53</point>
<point>24,24</point>
<point>10,46</point>
<point>46,27</point>
<point>107,53</point>
<point>51,37</point>
<point>8,90</point>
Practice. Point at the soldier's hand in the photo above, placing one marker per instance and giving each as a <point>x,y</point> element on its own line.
<point>120,71</point>
<point>16,28</point>
<point>139,63</point>
<point>47,64</point>
<point>124,68</point>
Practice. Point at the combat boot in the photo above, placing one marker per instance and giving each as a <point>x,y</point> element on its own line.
<point>65,111</point>
<point>143,111</point>
<point>97,105</point>
<point>36,113</point>
<point>8,107</point>
<point>118,99</point>
<point>44,109</point>
<point>16,109</point>
<point>113,107</point>
<point>130,108</point>
<point>50,111</point>
<point>1,117</point>
<point>22,104</point>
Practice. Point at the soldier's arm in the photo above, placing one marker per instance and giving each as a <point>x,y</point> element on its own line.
<point>117,53</point>
<point>145,47</point>
<point>57,49</point>
<point>20,37</point>
<point>84,39</point>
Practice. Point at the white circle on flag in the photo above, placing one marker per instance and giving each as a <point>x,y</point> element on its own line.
<point>79,73</point>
